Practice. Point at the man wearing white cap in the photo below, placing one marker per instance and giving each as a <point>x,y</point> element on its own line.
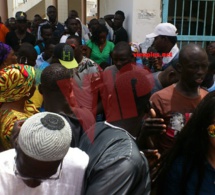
<point>42,161</point>
<point>165,42</point>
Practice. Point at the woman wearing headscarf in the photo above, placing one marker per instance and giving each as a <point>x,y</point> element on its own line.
<point>17,85</point>
<point>7,55</point>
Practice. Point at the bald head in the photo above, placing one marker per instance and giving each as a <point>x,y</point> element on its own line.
<point>55,87</point>
<point>52,74</point>
<point>194,65</point>
<point>190,52</point>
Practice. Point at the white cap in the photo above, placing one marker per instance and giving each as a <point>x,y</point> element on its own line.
<point>45,136</point>
<point>166,29</point>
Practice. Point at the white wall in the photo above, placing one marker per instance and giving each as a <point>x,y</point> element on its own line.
<point>62,10</point>
<point>21,7</point>
<point>110,7</point>
<point>141,15</point>
<point>146,15</point>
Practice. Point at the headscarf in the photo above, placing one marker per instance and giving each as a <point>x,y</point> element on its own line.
<point>15,82</point>
<point>4,51</point>
<point>84,32</point>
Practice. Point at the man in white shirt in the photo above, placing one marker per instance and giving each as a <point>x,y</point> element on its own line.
<point>42,161</point>
<point>165,42</point>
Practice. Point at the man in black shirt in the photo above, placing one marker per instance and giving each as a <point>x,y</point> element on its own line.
<point>116,22</point>
<point>20,35</point>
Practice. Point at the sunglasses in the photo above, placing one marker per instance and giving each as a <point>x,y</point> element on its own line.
<point>53,177</point>
<point>211,130</point>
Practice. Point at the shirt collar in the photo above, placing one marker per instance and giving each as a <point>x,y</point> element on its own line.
<point>173,51</point>
<point>115,127</point>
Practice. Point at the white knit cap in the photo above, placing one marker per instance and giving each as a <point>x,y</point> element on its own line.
<point>45,136</point>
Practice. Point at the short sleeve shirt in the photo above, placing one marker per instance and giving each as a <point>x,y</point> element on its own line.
<point>97,55</point>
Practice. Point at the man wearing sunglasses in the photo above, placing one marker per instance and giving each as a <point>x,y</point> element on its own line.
<point>42,161</point>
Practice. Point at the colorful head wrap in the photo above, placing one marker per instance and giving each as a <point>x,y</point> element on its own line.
<point>4,51</point>
<point>15,82</point>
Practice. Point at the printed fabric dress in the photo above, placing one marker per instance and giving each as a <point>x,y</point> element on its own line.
<point>7,119</point>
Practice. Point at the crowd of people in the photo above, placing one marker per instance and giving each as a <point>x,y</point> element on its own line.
<point>82,113</point>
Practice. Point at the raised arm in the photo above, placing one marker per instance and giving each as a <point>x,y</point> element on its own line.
<point>108,18</point>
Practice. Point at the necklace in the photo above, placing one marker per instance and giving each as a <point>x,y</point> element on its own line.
<point>20,41</point>
<point>117,30</point>
<point>20,37</point>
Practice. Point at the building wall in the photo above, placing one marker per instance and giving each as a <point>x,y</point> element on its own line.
<point>37,9</point>
<point>3,11</point>
<point>49,2</point>
<point>146,15</point>
<point>31,7</point>
<point>62,7</point>
<point>22,7</point>
<point>141,15</point>
<point>76,5</point>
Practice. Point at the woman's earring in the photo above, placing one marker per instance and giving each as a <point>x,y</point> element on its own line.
<point>26,60</point>
<point>28,94</point>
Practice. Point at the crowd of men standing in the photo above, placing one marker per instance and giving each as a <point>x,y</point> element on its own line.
<point>80,113</point>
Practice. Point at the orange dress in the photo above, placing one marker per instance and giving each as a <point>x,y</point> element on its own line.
<point>3,31</point>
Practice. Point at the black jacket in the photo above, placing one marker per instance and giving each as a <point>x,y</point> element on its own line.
<point>116,166</point>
